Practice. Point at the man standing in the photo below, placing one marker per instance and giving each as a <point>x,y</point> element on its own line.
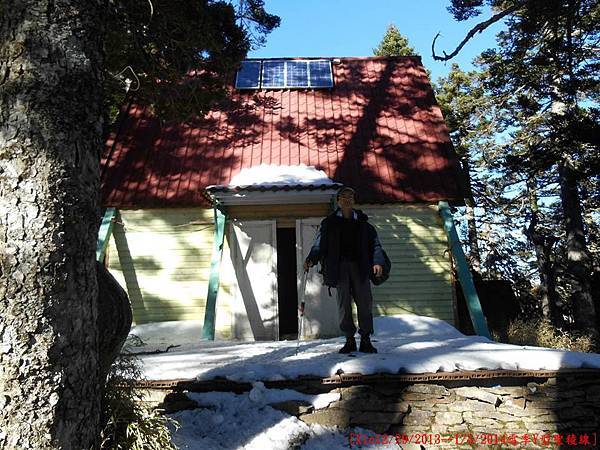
<point>349,250</point>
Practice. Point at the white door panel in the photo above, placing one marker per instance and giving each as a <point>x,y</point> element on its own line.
<point>254,258</point>
<point>320,313</point>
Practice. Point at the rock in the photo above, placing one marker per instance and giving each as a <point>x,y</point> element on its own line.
<point>592,394</point>
<point>514,391</point>
<point>478,421</point>
<point>471,405</point>
<point>366,404</point>
<point>398,406</point>
<point>593,399</point>
<point>359,418</point>
<point>418,397</point>
<point>437,407</point>
<point>448,418</point>
<point>417,417</point>
<point>553,404</point>
<point>432,389</point>
<point>528,420</point>
<point>518,403</point>
<point>177,401</point>
<point>459,429</point>
<point>293,407</point>
<point>541,427</point>
<point>328,417</point>
<point>356,392</point>
<point>503,417</point>
<point>407,429</point>
<point>477,394</point>
<point>573,413</point>
<point>519,412</point>
<point>378,428</point>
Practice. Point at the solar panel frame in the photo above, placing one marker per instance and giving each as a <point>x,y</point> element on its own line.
<point>317,80</point>
<point>285,74</point>
<point>242,75</point>
<point>273,71</point>
<point>302,80</point>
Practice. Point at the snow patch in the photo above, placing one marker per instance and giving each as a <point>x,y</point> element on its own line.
<point>275,175</point>
<point>406,344</point>
<point>252,424</point>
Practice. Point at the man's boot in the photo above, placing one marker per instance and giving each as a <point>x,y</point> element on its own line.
<point>366,346</point>
<point>349,346</point>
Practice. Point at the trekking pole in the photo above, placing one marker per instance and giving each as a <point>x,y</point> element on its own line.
<point>301,307</point>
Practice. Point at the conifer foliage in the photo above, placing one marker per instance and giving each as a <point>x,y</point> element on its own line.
<point>541,83</point>
<point>393,44</point>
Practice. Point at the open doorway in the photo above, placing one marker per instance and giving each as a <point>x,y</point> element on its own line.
<point>287,292</point>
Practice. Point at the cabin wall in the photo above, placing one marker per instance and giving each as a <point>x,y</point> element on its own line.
<point>162,258</point>
<point>421,277</point>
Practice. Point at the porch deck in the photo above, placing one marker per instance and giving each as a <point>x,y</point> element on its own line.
<point>408,346</point>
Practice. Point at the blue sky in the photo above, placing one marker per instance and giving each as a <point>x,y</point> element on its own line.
<point>354,28</point>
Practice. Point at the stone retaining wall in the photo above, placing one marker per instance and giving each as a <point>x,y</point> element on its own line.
<point>550,411</point>
<point>557,412</point>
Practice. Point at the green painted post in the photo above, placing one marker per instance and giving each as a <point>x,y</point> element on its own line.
<point>464,275</point>
<point>108,222</point>
<point>208,329</point>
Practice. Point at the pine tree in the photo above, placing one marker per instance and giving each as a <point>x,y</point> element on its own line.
<point>544,79</point>
<point>393,44</point>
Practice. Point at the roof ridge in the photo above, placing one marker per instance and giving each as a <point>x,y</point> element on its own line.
<point>341,58</point>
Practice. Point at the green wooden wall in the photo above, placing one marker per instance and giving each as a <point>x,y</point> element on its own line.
<point>162,258</point>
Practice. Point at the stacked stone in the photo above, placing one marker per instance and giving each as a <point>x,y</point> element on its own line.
<point>568,405</point>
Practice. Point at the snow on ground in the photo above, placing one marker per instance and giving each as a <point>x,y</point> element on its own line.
<point>406,344</point>
<point>230,421</point>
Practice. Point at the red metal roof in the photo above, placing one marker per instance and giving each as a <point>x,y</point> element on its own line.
<point>378,130</point>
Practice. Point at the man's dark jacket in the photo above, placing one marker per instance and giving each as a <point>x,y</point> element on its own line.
<point>326,248</point>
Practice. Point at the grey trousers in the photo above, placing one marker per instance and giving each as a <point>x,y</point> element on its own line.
<point>350,285</point>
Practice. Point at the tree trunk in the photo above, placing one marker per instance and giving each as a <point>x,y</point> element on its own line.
<point>543,246</point>
<point>50,138</point>
<point>578,259</point>
<point>474,255</point>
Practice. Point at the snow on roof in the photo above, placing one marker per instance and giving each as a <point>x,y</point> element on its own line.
<point>406,344</point>
<point>276,175</point>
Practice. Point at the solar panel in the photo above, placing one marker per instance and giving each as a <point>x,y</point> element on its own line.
<point>248,77</point>
<point>297,73</point>
<point>273,74</point>
<point>320,73</point>
<point>280,74</point>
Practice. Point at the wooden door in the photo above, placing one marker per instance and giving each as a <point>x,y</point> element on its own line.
<point>254,258</point>
<point>321,316</point>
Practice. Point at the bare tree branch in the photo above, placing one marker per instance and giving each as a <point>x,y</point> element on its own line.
<point>476,29</point>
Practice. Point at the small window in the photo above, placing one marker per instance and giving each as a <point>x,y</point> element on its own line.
<point>248,77</point>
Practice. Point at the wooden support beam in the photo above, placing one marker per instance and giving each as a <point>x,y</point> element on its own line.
<point>464,274</point>
<point>106,227</point>
<point>208,329</point>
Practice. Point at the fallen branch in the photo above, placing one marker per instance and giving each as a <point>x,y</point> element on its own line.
<point>153,352</point>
